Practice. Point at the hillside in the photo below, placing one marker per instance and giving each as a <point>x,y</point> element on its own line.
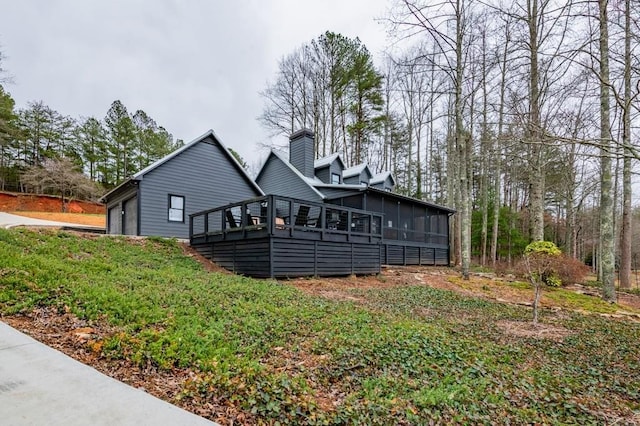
<point>407,347</point>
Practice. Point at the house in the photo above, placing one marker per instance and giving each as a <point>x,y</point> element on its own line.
<point>413,231</point>
<point>159,199</point>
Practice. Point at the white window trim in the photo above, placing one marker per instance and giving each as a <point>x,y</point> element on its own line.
<point>172,211</point>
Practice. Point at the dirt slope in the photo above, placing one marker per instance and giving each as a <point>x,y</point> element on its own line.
<point>15,202</point>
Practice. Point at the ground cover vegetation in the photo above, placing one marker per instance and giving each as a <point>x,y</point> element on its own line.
<point>266,352</point>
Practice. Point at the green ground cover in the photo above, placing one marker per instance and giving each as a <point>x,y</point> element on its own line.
<point>405,355</point>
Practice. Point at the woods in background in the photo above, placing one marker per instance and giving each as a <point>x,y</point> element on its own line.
<point>106,151</point>
<point>522,116</point>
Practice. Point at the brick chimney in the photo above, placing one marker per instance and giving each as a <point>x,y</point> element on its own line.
<point>301,152</point>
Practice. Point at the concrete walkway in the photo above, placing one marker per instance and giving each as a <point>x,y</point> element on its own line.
<point>10,220</point>
<point>41,386</point>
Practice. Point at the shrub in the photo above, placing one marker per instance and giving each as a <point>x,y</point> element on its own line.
<point>570,270</point>
<point>542,248</point>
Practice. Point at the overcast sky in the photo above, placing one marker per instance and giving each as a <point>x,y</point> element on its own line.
<point>190,65</point>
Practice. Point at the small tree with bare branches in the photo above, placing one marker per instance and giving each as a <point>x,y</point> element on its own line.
<point>60,177</point>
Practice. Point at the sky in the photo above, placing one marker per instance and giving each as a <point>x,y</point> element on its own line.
<point>190,65</point>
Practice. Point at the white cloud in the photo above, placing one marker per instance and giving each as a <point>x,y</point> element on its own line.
<point>190,65</point>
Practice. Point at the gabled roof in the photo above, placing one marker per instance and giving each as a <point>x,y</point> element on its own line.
<point>356,170</point>
<point>381,177</point>
<point>310,182</point>
<point>209,133</point>
<point>326,161</point>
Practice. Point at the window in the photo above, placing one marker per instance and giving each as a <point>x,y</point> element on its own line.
<point>176,208</point>
<point>364,182</point>
<point>335,178</point>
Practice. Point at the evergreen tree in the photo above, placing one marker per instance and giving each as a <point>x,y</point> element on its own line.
<point>92,141</point>
<point>121,141</point>
<point>8,134</point>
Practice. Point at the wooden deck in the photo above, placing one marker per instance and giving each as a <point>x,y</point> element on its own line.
<point>274,236</point>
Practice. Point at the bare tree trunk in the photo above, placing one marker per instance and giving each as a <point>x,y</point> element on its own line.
<point>484,157</point>
<point>536,175</point>
<point>626,231</point>
<point>569,206</point>
<point>452,191</point>
<point>461,142</point>
<point>607,252</point>
<point>536,302</point>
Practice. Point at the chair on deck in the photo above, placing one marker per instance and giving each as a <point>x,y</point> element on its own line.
<point>230,219</point>
<point>303,216</point>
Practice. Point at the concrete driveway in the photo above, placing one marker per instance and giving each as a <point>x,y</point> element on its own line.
<point>11,220</point>
<point>41,386</point>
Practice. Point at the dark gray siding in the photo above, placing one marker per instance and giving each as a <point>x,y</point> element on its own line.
<point>115,207</point>
<point>278,179</point>
<point>324,174</point>
<point>203,175</point>
<point>301,152</point>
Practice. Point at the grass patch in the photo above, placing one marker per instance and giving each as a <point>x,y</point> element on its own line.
<point>406,355</point>
<point>572,300</point>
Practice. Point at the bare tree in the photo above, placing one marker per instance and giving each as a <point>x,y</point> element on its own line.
<point>60,177</point>
<point>607,251</point>
<point>626,232</point>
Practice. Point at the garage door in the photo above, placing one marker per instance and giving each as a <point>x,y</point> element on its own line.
<point>131,216</point>
<point>114,220</point>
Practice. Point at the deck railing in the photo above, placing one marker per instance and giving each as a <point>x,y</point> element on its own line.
<point>285,217</point>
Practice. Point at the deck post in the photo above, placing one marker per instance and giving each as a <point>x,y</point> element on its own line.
<point>323,221</point>
<point>271,215</point>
